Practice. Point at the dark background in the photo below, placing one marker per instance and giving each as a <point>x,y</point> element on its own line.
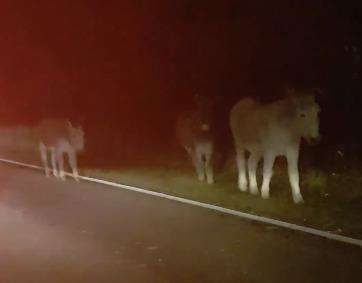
<point>126,69</point>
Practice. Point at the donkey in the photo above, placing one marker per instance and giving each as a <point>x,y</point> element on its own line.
<point>194,133</point>
<point>59,137</point>
<point>271,130</point>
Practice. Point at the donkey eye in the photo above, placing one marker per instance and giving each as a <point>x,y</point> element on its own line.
<point>302,115</point>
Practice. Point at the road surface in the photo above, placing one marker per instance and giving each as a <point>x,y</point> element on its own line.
<point>54,231</point>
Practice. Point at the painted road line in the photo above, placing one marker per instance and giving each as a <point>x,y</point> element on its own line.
<point>291,226</point>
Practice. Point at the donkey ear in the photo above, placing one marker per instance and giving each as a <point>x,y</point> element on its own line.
<point>69,124</point>
<point>197,97</point>
<point>290,91</point>
<point>317,92</point>
<point>80,129</point>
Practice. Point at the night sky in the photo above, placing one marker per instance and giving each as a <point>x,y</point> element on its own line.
<point>131,66</point>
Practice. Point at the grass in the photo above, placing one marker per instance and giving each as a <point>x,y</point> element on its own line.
<point>333,196</point>
<point>333,202</point>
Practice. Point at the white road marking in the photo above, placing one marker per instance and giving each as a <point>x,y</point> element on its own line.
<point>291,226</point>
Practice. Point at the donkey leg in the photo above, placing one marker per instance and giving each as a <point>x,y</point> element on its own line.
<point>252,166</point>
<point>208,167</point>
<point>292,158</point>
<point>54,162</point>
<point>268,163</point>
<point>73,164</point>
<point>240,161</point>
<point>44,158</point>
<point>200,164</point>
<point>194,158</point>
<point>60,160</point>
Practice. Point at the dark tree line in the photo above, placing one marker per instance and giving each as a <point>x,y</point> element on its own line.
<point>132,66</point>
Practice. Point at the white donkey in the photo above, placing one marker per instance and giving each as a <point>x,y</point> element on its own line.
<point>271,130</point>
<point>194,133</point>
<point>59,137</point>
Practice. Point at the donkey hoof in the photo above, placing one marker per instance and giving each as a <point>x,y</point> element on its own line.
<point>298,199</point>
<point>254,191</point>
<point>243,187</point>
<point>265,195</point>
<point>210,181</point>
<point>201,178</point>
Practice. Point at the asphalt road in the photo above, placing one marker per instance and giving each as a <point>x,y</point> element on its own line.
<point>54,231</point>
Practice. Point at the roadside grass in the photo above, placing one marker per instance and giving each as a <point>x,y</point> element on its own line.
<point>333,195</point>
<point>333,202</point>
